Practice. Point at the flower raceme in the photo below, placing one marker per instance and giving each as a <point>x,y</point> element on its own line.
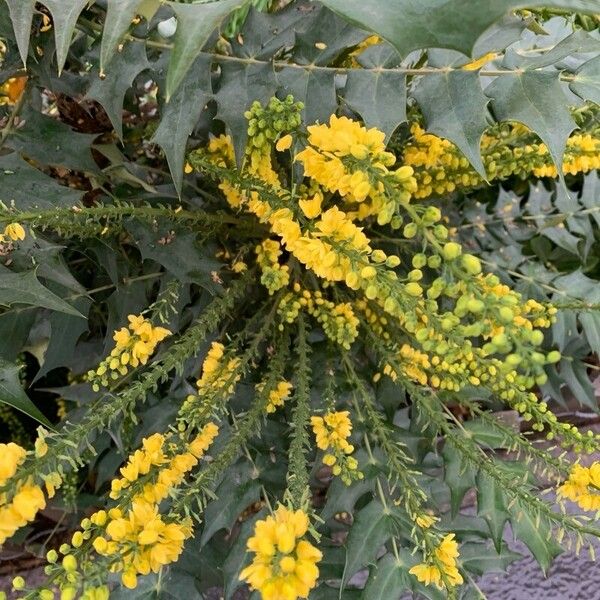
<point>12,232</point>
<point>284,566</point>
<point>583,486</point>
<point>441,568</point>
<point>134,345</point>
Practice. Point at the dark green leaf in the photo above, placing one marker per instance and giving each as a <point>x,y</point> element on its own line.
<point>313,87</point>
<point>65,330</point>
<point>24,288</point>
<point>458,476</point>
<point>479,558</point>
<point>586,81</point>
<point>14,330</point>
<point>64,18</point>
<point>372,527</point>
<point>119,14</point>
<point>387,580</point>
<point>239,86</point>
<point>491,505</point>
<point>181,113</point>
<point>12,393</point>
<point>51,142</point>
<point>379,97</point>
<point>536,534</point>
<point>536,100</point>
<point>416,24</point>
<point>455,108</point>
<point>110,90</point>
<point>195,23</point>
<point>21,15</point>
<point>232,499</point>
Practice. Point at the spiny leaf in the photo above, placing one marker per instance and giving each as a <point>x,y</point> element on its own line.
<point>12,393</point>
<point>21,15</point>
<point>535,99</point>
<point>111,89</point>
<point>455,108</point>
<point>371,529</point>
<point>64,17</point>
<point>379,97</point>
<point>313,87</point>
<point>586,81</point>
<point>536,535</point>
<point>181,113</point>
<point>239,86</point>
<point>51,142</point>
<point>387,580</point>
<point>119,14</point>
<point>195,23</point>
<point>26,187</point>
<point>458,476</point>
<point>24,288</point>
<point>479,558</point>
<point>576,43</point>
<point>416,24</point>
<point>491,505</point>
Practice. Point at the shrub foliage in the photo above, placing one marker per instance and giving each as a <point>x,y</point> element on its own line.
<point>269,273</point>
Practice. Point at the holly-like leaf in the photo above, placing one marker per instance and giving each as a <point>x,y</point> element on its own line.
<point>535,99</point>
<point>387,580</point>
<point>110,90</point>
<point>372,527</point>
<point>239,86</point>
<point>313,87</point>
<point>586,81</point>
<point>27,188</point>
<point>536,534</point>
<point>479,558</point>
<point>491,505</point>
<point>379,97</point>
<point>195,23</point>
<point>51,142</point>
<point>65,330</point>
<point>64,18</point>
<point>119,14</point>
<point>12,393</point>
<point>21,15</point>
<point>24,288</point>
<point>180,115</point>
<point>232,499</point>
<point>577,43</point>
<point>458,476</point>
<point>455,108</point>
<point>416,24</point>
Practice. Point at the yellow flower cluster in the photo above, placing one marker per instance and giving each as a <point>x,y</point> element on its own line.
<point>278,396</point>
<point>339,322</point>
<point>137,538</point>
<point>28,500</point>
<point>12,232</point>
<point>347,158</point>
<point>442,569</point>
<point>583,486</point>
<point>441,168</point>
<point>134,345</point>
<point>284,566</point>
<point>332,432</point>
<point>216,375</point>
<point>274,276</point>
<point>139,541</point>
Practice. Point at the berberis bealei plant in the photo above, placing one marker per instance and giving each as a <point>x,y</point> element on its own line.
<point>272,271</point>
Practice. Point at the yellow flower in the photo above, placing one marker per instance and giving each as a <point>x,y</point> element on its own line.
<point>283,143</point>
<point>442,568</point>
<point>311,207</point>
<point>278,396</point>
<point>11,456</point>
<point>284,565</point>
<point>14,231</point>
<point>582,486</point>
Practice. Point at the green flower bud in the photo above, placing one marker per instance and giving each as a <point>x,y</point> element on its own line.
<point>434,261</point>
<point>413,289</point>
<point>18,583</point>
<point>69,563</point>
<point>46,594</point>
<point>52,556</point>
<point>415,275</point>
<point>553,357</point>
<point>419,261</point>
<point>471,264</point>
<point>451,250</point>
<point>392,261</point>
<point>506,314</point>
<point>536,337</point>
<point>410,230</point>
